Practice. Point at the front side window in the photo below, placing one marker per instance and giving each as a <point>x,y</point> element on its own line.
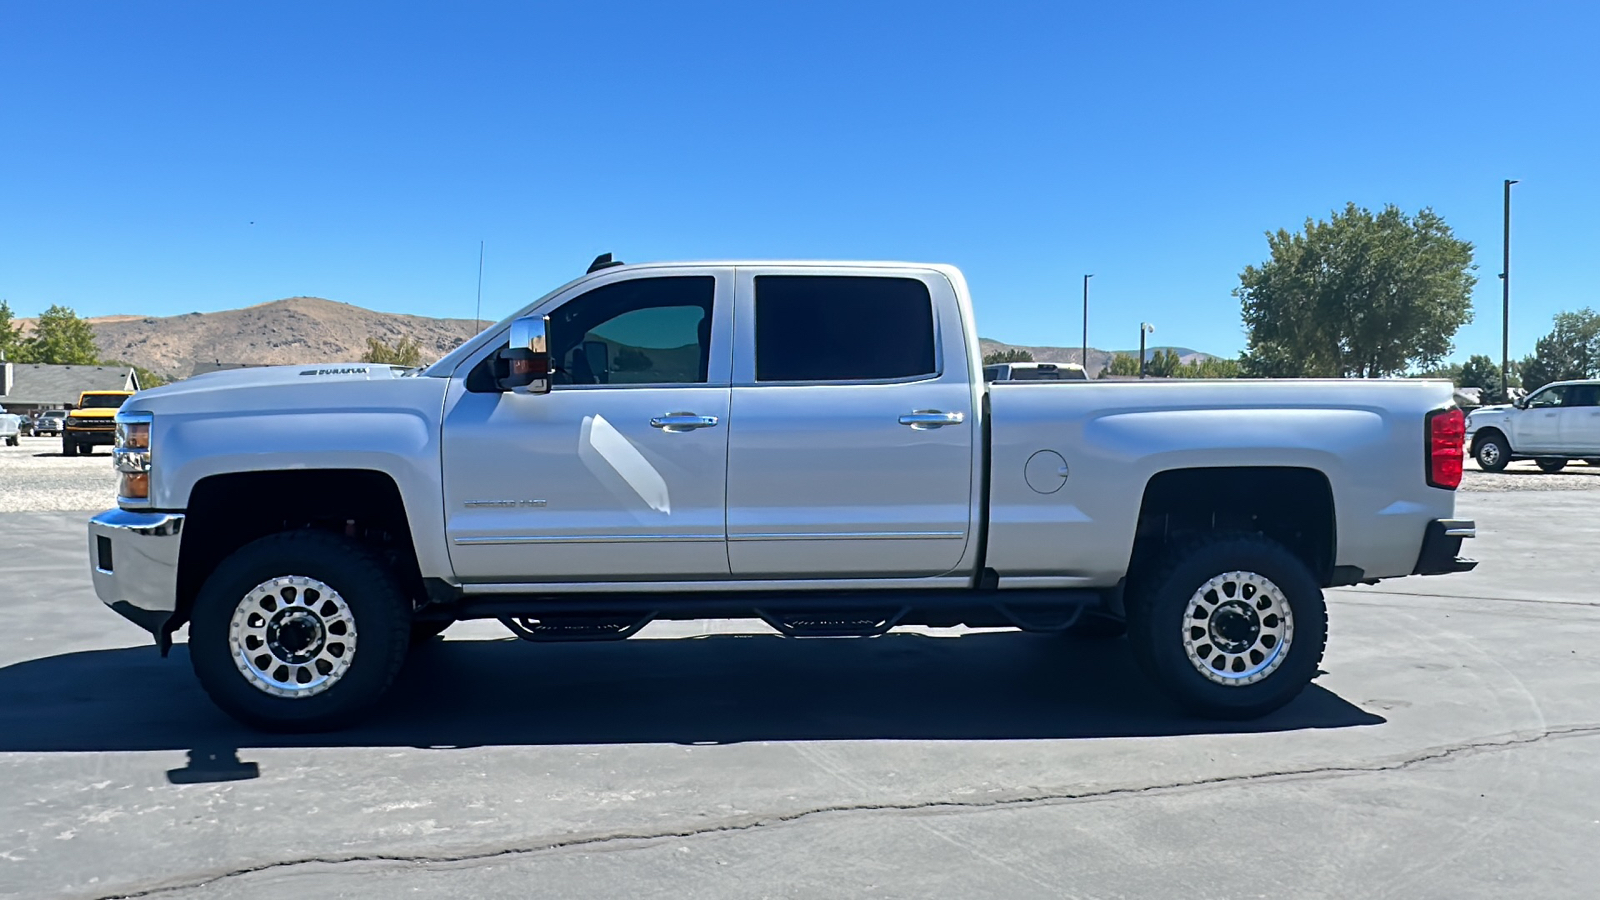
<point>1553,397</point>
<point>843,328</point>
<point>642,331</point>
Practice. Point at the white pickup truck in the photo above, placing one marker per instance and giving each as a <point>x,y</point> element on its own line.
<point>811,444</point>
<point>1549,426</point>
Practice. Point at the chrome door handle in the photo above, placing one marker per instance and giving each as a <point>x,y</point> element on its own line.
<point>682,421</point>
<point>923,419</point>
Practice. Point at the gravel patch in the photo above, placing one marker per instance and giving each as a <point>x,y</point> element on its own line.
<point>35,477</point>
<point>1525,476</point>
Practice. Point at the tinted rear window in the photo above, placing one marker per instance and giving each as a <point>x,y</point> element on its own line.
<point>842,328</point>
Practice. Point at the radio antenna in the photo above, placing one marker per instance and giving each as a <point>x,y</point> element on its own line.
<point>477,315</point>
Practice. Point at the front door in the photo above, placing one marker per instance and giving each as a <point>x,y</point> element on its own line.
<point>1538,425</point>
<point>617,474</point>
<point>853,432</point>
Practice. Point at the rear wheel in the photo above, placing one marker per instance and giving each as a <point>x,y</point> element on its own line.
<point>301,631</point>
<point>1231,626</point>
<point>1551,465</point>
<point>1492,453</point>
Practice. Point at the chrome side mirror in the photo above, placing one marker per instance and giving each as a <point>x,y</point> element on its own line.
<point>527,359</point>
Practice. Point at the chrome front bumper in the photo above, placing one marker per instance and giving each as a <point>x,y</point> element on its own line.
<point>133,557</point>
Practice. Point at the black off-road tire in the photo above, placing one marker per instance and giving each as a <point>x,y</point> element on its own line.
<point>1550,465</point>
<point>1497,458</point>
<point>1159,620</point>
<point>69,448</point>
<point>377,604</point>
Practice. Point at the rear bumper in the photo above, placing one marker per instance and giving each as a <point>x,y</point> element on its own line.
<point>133,557</point>
<point>1441,547</point>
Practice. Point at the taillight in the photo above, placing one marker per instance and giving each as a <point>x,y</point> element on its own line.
<point>1446,431</point>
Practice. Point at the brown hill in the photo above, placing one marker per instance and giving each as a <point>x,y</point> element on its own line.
<point>295,330</point>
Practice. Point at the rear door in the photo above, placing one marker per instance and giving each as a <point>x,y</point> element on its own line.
<point>852,429</point>
<point>1580,420</point>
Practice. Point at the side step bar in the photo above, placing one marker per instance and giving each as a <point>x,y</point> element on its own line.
<point>592,617</point>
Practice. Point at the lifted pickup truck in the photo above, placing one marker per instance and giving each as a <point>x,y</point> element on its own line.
<point>810,444</point>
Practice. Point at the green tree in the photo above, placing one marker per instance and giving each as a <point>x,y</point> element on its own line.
<point>1362,294</point>
<point>405,352</point>
<point>1208,368</point>
<point>1570,350</point>
<point>10,338</point>
<point>147,378</point>
<point>1480,371</point>
<point>1009,355</point>
<point>1163,363</point>
<point>60,338</point>
<point>1121,364</point>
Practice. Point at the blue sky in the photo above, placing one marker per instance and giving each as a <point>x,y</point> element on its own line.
<point>374,145</point>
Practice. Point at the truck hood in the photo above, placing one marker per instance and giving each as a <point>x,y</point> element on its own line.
<point>268,376</point>
<point>293,391</point>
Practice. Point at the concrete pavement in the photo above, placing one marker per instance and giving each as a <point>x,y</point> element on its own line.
<point>1448,750</point>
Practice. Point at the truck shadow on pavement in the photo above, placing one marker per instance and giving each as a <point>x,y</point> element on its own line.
<point>718,689</point>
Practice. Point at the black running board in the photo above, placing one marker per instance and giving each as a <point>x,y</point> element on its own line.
<point>613,616</point>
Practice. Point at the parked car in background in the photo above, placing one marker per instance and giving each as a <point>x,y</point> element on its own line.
<point>10,428</point>
<point>1034,371</point>
<point>49,422</point>
<point>1550,426</point>
<point>92,421</point>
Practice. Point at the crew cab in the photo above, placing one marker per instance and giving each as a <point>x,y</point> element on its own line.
<point>1550,426</point>
<point>810,444</point>
<point>92,422</point>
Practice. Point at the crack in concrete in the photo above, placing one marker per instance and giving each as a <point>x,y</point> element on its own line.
<point>753,821</point>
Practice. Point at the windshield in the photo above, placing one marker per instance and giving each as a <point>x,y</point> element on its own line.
<point>102,401</point>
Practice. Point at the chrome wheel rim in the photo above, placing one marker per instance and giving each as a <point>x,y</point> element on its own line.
<point>292,637</point>
<point>1237,628</point>
<point>1489,453</point>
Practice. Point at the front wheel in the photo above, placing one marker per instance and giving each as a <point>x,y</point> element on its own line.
<point>300,631</point>
<point>1231,626</point>
<point>68,448</point>
<point>1493,453</point>
<point>1551,465</point>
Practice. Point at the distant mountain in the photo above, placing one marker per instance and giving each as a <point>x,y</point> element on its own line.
<point>289,331</point>
<point>1098,359</point>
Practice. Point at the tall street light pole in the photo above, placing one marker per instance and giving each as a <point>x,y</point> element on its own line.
<point>1144,329</point>
<point>1505,300</point>
<point>1086,324</point>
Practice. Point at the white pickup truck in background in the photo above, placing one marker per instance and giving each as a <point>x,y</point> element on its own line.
<point>1550,426</point>
<point>811,444</point>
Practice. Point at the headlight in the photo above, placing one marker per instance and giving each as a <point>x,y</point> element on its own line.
<point>131,457</point>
